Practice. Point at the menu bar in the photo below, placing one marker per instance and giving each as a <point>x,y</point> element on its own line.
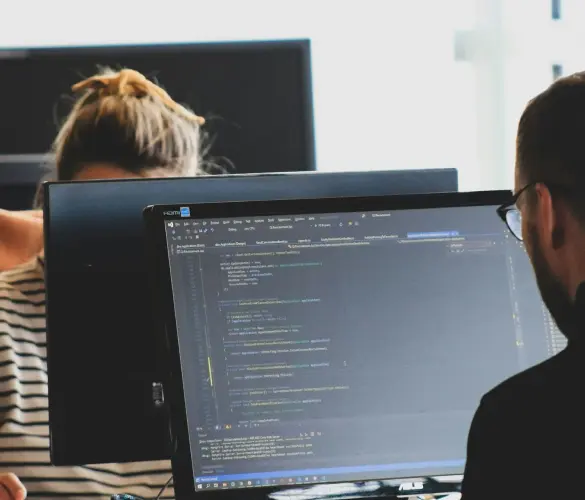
<point>298,231</point>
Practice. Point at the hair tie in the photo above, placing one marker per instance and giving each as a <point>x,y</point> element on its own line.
<point>129,82</point>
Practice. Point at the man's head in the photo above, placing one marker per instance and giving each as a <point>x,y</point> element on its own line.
<point>123,125</point>
<point>550,172</point>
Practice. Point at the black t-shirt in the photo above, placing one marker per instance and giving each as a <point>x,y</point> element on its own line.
<point>527,439</point>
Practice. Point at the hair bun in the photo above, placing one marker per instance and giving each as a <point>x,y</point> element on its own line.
<point>129,82</point>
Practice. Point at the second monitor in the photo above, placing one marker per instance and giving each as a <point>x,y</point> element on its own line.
<point>102,356</point>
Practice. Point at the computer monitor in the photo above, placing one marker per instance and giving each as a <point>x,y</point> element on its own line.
<point>338,340</point>
<point>256,96</point>
<point>102,354</point>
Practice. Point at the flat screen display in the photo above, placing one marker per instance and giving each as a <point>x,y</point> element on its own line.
<point>327,347</point>
<point>103,355</point>
<point>256,97</point>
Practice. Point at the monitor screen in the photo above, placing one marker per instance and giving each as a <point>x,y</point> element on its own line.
<point>97,284</point>
<point>331,347</point>
<point>256,96</point>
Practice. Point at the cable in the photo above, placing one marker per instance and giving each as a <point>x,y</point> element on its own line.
<point>162,490</point>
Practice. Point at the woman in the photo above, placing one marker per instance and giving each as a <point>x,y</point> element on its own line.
<point>122,126</point>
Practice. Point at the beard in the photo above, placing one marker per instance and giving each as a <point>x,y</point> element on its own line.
<point>554,295</point>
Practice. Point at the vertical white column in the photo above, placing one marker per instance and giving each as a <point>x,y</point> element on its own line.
<point>489,59</point>
<point>512,48</point>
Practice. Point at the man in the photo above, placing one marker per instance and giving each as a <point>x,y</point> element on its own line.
<point>528,433</point>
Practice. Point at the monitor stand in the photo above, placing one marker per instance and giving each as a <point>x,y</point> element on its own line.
<point>441,487</point>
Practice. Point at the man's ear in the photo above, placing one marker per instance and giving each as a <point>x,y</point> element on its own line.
<point>549,221</point>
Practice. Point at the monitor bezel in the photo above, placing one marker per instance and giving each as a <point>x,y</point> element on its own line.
<point>155,219</point>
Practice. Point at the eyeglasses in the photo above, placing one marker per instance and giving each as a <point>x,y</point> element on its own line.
<point>511,214</point>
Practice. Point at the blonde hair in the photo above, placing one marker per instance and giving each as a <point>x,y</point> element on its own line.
<point>124,119</point>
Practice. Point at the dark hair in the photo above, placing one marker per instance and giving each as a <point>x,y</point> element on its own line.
<point>550,145</point>
<point>124,119</point>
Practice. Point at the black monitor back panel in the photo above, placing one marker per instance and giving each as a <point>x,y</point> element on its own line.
<point>102,348</point>
<point>256,96</point>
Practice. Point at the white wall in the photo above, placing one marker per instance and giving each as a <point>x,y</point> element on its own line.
<point>389,90</point>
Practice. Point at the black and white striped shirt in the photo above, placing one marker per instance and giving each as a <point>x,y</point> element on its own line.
<point>24,429</point>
